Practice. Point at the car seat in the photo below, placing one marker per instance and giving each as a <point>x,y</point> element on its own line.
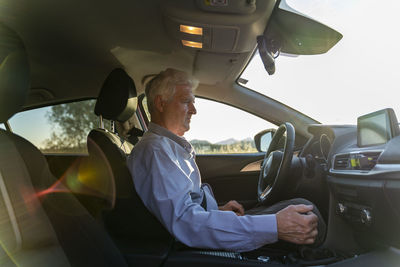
<point>39,225</point>
<point>129,219</point>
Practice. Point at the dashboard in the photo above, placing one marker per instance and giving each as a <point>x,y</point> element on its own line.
<point>364,181</point>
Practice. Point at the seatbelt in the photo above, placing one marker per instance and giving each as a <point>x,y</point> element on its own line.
<point>10,212</point>
<point>204,201</point>
<point>8,126</point>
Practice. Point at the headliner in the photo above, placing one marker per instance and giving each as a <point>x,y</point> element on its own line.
<point>73,45</point>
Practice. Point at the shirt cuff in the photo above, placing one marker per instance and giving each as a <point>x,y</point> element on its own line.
<point>266,229</point>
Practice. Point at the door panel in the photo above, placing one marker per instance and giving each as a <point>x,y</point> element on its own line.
<point>229,178</point>
<point>59,164</point>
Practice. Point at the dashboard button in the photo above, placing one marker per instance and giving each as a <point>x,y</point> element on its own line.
<point>341,208</point>
<point>366,217</point>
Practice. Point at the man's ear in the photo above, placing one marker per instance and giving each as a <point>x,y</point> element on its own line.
<point>159,103</point>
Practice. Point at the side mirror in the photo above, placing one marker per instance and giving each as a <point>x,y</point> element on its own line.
<point>263,139</point>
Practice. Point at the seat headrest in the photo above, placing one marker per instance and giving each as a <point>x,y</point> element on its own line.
<point>118,98</point>
<point>14,73</point>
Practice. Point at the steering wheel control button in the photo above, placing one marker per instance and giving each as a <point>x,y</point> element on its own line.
<point>366,217</point>
<point>341,208</point>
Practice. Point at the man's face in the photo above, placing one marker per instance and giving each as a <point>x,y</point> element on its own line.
<point>178,111</point>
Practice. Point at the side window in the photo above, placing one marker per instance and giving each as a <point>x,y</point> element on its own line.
<point>57,129</point>
<point>221,129</point>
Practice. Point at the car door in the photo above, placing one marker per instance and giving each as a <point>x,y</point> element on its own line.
<point>232,176</point>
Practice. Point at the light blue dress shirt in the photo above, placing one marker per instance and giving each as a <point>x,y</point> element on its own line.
<point>167,179</point>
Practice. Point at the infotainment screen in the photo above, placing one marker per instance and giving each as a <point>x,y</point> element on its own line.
<point>377,128</point>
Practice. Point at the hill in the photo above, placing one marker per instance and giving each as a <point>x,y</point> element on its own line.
<point>226,146</point>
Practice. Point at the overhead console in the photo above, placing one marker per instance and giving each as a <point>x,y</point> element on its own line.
<point>217,31</point>
<point>225,6</point>
<point>217,25</point>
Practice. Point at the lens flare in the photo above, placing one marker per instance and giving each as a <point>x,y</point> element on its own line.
<point>88,176</point>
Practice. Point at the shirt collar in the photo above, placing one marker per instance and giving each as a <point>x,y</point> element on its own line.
<point>159,130</point>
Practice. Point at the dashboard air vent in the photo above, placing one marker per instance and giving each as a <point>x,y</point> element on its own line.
<point>368,160</point>
<point>342,162</point>
<point>364,161</point>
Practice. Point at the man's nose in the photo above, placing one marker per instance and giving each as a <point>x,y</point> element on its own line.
<point>192,109</point>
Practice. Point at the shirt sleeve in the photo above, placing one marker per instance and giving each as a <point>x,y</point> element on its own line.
<point>165,190</point>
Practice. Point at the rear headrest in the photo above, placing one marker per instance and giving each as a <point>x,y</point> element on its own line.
<point>14,73</point>
<point>118,98</point>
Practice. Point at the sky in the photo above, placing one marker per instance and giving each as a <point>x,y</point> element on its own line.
<point>357,76</point>
<point>217,122</point>
<point>32,125</point>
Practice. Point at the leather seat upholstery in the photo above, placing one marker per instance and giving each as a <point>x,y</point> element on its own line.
<point>39,226</point>
<point>129,219</point>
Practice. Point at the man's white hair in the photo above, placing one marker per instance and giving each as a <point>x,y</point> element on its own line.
<point>165,83</point>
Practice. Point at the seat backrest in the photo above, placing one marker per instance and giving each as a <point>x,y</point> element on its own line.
<point>39,224</point>
<point>24,224</point>
<point>129,219</point>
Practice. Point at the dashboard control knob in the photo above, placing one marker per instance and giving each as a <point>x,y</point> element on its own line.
<point>310,161</point>
<point>342,209</point>
<point>366,217</point>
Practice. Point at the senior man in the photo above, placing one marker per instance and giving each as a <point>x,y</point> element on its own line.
<point>168,181</point>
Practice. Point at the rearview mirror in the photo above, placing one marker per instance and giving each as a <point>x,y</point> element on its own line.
<point>293,33</point>
<point>297,34</point>
<point>263,139</point>
<point>267,48</point>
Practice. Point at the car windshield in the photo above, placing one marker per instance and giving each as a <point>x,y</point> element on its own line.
<point>357,76</point>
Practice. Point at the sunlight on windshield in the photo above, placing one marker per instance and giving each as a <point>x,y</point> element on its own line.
<point>357,76</point>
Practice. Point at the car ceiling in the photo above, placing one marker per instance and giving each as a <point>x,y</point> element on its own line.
<point>73,45</point>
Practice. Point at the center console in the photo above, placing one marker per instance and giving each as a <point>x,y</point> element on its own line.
<point>364,180</point>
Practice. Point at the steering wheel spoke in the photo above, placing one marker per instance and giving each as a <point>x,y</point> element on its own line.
<point>266,191</point>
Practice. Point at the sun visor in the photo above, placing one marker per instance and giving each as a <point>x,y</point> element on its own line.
<point>297,34</point>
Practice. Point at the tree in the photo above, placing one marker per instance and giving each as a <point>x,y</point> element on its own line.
<point>71,125</point>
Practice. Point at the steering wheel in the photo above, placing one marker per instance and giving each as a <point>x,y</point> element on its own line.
<point>276,164</point>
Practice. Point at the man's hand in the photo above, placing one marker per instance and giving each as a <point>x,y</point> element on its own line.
<point>234,206</point>
<point>297,224</point>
